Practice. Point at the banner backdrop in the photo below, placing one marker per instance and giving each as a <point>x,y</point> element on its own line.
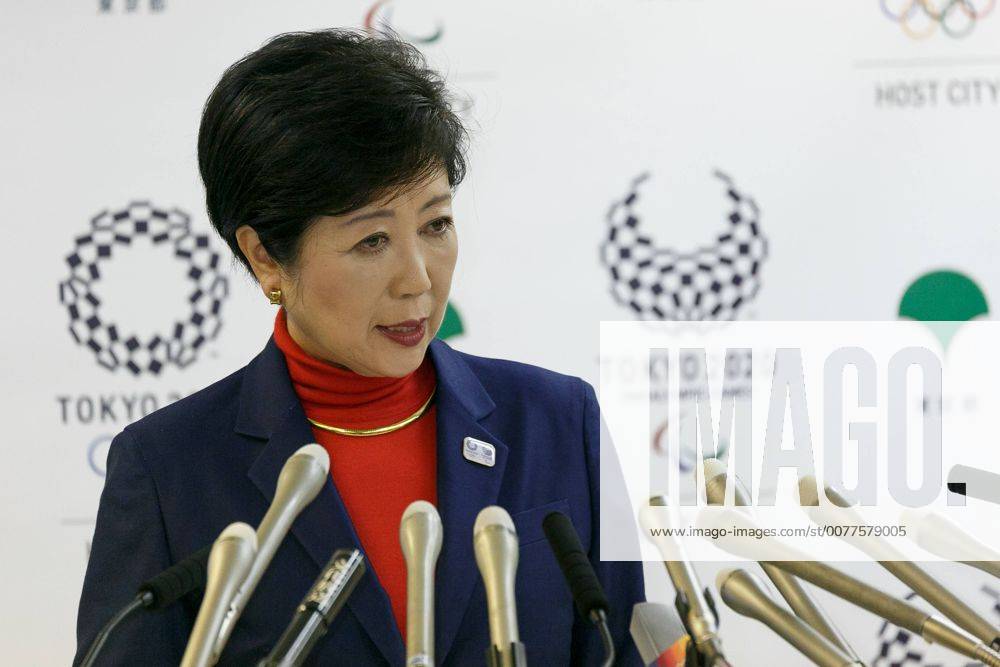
<point>846,151</point>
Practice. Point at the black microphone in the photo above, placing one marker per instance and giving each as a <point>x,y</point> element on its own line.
<point>316,612</point>
<point>154,594</point>
<point>579,573</point>
<point>177,580</point>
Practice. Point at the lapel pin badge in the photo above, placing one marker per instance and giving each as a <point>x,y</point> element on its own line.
<point>479,452</point>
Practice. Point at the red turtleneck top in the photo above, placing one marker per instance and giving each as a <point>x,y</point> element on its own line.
<point>376,476</point>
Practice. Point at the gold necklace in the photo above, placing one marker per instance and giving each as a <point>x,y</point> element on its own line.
<point>362,432</point>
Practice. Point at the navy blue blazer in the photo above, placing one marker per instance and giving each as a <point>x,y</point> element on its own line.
<point>180,475</point>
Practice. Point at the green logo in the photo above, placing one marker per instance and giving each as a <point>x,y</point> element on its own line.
<point>944,299</point>
<point>451,325</point>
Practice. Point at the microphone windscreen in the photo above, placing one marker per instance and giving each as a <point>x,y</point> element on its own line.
<point>808,491</point>
<point>713,468</point>
<point>583,583</point>
<point>178,580</point>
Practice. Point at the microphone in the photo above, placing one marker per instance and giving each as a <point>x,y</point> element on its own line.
<point>177,580</point>
<point>895,562</point>
<point>161,591</point>
<point>495,543</point>
<point>316,612</point>
<point>659,635</point>
<point>891,609</point>
<point>694,603</point>
<point>579,573</point>
<point>858,593</point>
<point>299,482</point>
<point>974,483</point>
<point>420,536</point>
<point>943,538</point>
<point>228,563</point>
<point>716,481</point>
<point>744,594</point>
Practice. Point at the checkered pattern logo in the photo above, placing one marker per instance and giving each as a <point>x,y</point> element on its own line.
<point>711,283</point>
<point>116,345</point>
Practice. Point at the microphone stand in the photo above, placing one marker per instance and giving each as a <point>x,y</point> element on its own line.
<point>512,656</point>
<point>709,657</point>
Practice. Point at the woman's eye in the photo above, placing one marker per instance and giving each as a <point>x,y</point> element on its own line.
<point>373,243</point>
<point>441,225</point>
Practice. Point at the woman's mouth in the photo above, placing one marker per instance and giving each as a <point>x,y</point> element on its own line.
<point>408,333</point>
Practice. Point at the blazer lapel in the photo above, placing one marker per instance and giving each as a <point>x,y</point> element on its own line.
<point>270,409</point>
<point>463,488</point>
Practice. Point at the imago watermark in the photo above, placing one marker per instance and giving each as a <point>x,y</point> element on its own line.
<point>801,440</point>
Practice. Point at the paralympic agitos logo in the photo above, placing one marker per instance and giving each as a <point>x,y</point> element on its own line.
<point>379,21</point>
<point>712,282</point>
<point>919,19</point>
<point>122,344</point>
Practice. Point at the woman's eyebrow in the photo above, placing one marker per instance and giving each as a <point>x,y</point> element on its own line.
<point>387,213</point>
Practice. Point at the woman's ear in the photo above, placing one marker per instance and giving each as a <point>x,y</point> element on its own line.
<point>267,271</point>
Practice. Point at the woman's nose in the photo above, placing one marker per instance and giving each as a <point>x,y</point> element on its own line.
<point>413,278</point>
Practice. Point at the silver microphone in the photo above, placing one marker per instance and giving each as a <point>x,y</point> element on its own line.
<point>228,563</point>
<point>911,574</point>
<point>852,590</point>
<point>743,593</point>
<point>896,611</point>
<point>300,481</point>
<point>695,604</point>
<point>716,482</point>
<point>941,537</point>
<point>495,543</point>
<point>420,536</point>
<point>974,483</point>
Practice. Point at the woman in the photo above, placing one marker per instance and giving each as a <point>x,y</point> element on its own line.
<point>329,161</point>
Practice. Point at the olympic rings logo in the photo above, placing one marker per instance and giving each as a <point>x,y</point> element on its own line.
<point>920,19</point>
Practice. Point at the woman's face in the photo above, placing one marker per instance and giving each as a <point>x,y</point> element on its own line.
<point>370,288</point>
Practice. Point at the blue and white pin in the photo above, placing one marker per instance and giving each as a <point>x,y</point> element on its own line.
<point>479,452</point>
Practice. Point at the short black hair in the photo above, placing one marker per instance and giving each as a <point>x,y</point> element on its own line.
<point>321,123</point>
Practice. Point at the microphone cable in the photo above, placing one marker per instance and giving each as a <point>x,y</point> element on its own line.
<point>161,591</point>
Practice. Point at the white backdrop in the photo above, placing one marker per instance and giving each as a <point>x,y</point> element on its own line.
<point>871,156</point>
